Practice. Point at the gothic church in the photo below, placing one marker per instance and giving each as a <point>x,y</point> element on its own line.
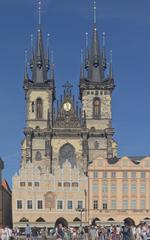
<point>69,169</point>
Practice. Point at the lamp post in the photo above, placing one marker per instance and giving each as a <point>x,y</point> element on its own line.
<point>81,210</point>
<point>88,197</point>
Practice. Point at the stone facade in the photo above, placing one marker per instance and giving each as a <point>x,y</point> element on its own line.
<point>69,167</point>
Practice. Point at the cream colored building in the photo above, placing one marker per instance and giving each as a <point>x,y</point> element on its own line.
<point>119,189</point>
<point>69,168</point>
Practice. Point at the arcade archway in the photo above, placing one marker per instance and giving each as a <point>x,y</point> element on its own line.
<point>61,220</point>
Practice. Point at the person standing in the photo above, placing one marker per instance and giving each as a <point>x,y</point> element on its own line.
<point>28,232</point>
<point>34,233</point>
<point>44,233</point>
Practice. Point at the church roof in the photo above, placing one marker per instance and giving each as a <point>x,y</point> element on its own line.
<point>134,159</point>
<point>5,186</point>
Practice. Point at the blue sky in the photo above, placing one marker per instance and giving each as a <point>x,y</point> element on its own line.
<point>127,26</point>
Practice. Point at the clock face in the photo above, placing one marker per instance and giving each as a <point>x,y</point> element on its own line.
<point>67,106</point>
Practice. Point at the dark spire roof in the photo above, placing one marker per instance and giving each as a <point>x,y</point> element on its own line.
<point>52,72</point>
<point>39,63</point>
<point>26,76</point>
<point>95,66</point>
<point>82,67</point>
<point>95,69</point>
<point>110,66</point>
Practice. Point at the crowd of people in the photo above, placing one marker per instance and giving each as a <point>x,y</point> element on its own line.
<point>93,232</point>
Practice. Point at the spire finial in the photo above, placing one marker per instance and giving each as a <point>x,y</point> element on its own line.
<point>39,12</point>
<point>110,67</point>
<point>95,13</point>
<point>104,39</point>
<point>86,40</point>
<point>52,66</point>
<point>104,51</point>
<point>82,67</point>
<point>86,51</point>
<point>48,40</point>
<point>52,57</point>
<point>48,45</point>
<point>81,56</point>
<point>31,39</point>
<point>26,66</point>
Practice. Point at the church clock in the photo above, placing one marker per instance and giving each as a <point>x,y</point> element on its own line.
<point>67,106</point>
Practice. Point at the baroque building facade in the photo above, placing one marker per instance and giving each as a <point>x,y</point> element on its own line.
<point>70,170</point>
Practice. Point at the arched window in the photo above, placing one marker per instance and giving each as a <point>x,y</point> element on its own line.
<point>38,156</point>
<point>96,108</point>
<point>32,106</point>
<point>67,153</point>
<point>39,108</point>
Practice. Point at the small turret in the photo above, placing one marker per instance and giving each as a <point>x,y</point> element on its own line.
<point>82,67</point>
<point>104,60</point>
<point>52,73</point>
<point>110,66</point>
<point>86,52</point>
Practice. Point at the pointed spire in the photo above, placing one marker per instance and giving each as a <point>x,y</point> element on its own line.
<point>81,67</point>
<point>32,52</point>
<point>110,66</point>
<point>77,109</point>
<point>52,74</point>
<point>95,70</point>
<point>86,51</point>
<point>104,61</point>
<point>38,63</point>
<point>48,46</point>
<point>26,77</point>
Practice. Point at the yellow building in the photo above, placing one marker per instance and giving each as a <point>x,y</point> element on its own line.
<point>119,188</point>
<point>70,170</point>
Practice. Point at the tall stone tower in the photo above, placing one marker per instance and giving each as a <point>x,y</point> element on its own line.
<point>96,96</point>
<point>39,96</point>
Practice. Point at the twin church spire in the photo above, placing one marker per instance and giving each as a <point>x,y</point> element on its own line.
<point>40,64</point>
<point>95,59</point>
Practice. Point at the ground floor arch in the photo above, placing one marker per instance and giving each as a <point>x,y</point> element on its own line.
<point>61,220</point>
<point>129,221</point>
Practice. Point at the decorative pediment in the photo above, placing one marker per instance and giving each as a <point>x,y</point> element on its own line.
<point>68,115</point>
